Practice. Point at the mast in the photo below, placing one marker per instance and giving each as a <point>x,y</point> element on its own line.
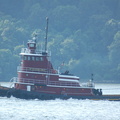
<point>46,34</point>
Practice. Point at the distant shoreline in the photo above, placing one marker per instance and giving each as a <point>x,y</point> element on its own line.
<point>101,82</point>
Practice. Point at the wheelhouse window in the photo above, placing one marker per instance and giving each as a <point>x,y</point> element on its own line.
<point>32,58</point>
<point>32,45</point>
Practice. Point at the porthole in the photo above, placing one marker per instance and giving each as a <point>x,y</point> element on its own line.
<point>24,57</point>
<point>41,58</point>
<point>28,57</point>
<point>26,75</point>
<point>33,58</point>
<point>37,58</point>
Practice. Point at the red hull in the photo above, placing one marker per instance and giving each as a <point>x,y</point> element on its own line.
<point>49,89</point>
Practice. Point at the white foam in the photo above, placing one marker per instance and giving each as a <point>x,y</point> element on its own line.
<point>71,109</point>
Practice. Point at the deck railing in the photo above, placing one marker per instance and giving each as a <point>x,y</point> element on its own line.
<point>45,82</point>
<point>88,84</point>
<point>40,70</point>
<point>63,83</point>
<point>56,83</point>
<point>32,81</point>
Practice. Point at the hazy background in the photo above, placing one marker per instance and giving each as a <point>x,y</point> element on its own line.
<point>83,34</point>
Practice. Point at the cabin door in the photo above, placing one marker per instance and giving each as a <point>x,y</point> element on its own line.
<point>28,88</point>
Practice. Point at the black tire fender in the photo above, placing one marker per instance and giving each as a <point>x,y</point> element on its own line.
<point>8,94</point>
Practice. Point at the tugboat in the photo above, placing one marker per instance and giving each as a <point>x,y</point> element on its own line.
<point>38,79</point>
<point>37,76</point>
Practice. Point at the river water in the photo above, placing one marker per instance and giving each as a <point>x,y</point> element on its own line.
<point>71,109</point>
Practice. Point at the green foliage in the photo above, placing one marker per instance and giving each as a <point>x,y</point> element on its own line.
<point>84,34</point>
<point>7,64</point>
<point>62,16</point>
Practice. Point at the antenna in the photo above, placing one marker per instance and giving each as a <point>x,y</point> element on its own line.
<point>46,34</point>
<point>92,76</point>
<point>35,37</point>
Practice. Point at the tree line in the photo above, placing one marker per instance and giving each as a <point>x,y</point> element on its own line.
<point>83,34</point>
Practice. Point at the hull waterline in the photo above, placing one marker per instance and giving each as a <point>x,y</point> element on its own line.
<point>22,94</point>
